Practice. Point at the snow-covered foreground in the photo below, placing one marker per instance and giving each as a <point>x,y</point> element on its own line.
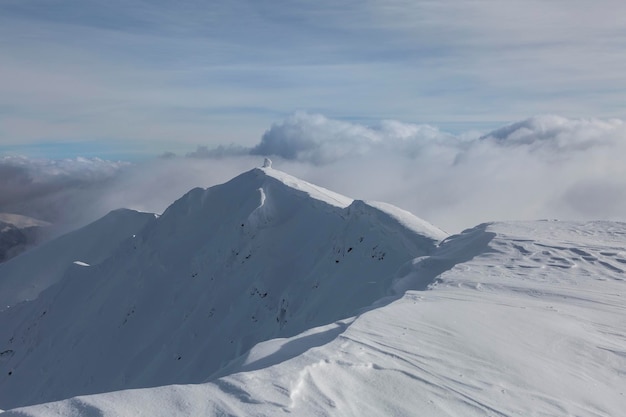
<point>504,319</point>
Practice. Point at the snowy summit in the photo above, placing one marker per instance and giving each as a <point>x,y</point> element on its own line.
<point>268,295</point>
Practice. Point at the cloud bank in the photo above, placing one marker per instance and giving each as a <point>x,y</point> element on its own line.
<point>54,190</point>
<point>541,167</point>
<point>316,139</point>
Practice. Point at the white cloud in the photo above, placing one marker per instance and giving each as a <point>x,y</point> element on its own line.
<point>542,167</point>
<point>320,140</point>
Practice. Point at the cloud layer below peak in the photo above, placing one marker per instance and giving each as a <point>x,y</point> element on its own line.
<point>541,167</point>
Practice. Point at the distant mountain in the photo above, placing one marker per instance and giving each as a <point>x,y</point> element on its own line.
<point>136,301</point>
<point>19,233</point>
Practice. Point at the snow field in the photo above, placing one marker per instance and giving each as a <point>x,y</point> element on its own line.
<point>505,319</point>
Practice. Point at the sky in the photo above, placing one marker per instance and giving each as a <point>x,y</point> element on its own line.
<point>145,77</point>
<point>471,110</point>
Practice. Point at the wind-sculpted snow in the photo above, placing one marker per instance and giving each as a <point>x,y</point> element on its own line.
<point>523,319</point>
<point>222,269</point>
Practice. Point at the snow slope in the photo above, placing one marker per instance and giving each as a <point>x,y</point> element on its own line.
<point>24,277</point>
<point>263,256</point>
<point>522,319</point>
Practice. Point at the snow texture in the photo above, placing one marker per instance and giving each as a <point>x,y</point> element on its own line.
<point>504,319</point>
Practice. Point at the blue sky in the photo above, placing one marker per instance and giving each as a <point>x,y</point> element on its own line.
<point>126,78</point>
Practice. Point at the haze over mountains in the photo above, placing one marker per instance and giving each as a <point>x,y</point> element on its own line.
<point>227,290</point>
<point>19,233</point>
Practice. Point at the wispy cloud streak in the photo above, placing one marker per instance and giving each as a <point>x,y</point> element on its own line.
<point>194,72</point>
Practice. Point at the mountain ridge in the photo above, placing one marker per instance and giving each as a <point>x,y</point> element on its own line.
<point>24,277</point>
<point>19,233</point>
<point>264,255</point>
<point>526,318</point>
<point>266,295</point>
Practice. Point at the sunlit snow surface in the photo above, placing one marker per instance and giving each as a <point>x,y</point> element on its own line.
<point>520,319</point>
<point>263,256</point>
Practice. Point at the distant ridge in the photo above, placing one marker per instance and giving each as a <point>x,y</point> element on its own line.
<point>19,233</point>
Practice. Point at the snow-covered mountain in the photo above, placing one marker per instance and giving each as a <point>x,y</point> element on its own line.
<point>262,256</point>
<point>268,296</point>
<point>24,277</point>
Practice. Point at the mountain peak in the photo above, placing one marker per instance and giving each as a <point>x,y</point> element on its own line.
<point>314,191</point>
<point>261,256</point>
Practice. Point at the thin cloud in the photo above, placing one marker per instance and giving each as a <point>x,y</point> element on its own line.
<point>57,191</point>
<point>192,72</point>
<point>220,151</point>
